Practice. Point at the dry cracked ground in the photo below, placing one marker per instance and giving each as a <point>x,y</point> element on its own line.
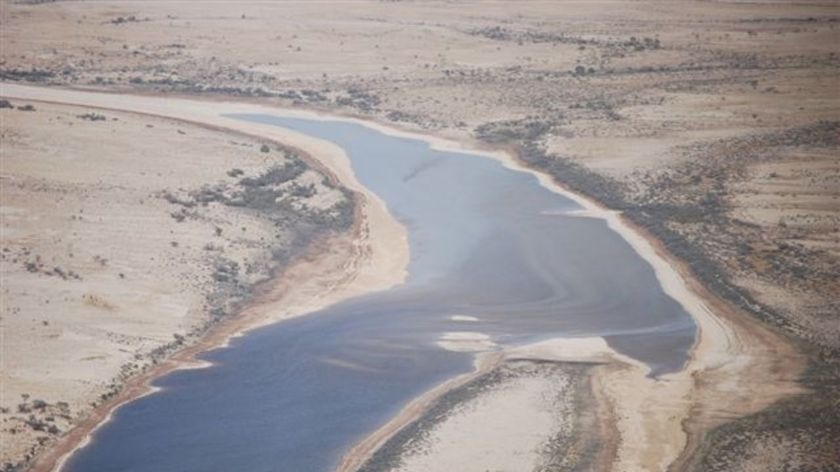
<point>713,125</point>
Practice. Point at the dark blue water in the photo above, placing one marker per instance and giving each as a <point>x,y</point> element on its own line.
<point>485,241</point>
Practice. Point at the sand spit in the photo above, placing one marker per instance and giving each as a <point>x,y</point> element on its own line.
<point>476,420</point>
<point>737,367</point>
<point>522,415</point>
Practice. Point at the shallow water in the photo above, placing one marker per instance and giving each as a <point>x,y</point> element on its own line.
<point>486,241</point>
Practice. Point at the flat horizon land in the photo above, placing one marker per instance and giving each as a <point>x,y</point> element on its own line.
<point>140,228</point>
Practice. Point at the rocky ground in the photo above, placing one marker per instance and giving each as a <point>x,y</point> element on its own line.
<point>713,125</point>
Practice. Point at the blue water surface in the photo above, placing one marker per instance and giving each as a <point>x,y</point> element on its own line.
<point>486,241</point>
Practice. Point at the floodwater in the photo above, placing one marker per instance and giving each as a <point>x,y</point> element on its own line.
<point>486,242</point>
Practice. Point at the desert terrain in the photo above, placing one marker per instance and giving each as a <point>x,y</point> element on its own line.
<point>714,127</point>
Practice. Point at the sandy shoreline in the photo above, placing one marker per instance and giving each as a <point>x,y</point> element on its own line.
<point>319,259</point>
<point>372,258</point>
<point>731,358</point>
<point>594,351</point>
<point>523,414</point>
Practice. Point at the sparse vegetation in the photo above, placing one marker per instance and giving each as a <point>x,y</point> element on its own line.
<point>93,117</point>
<point>126,19</point>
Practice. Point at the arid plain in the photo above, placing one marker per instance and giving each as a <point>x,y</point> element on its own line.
<point>713,127</point>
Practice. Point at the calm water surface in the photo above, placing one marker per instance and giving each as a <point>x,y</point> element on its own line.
<point>485,241</point>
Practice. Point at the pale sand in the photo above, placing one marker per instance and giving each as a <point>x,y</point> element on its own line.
<point>383,241</point>
<point>390,255</point>
<point>506,425</point>
<point>493,423</point>
<point>475,431</point>
<point>736,367</point>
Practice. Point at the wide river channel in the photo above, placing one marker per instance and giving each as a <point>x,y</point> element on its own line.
<point>486,242</point>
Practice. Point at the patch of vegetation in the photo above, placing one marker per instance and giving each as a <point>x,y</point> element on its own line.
<point>22,75</point>
<point>127,19</point>
<point>643,43</point>
<point>277,175</point>
<point>93,117</point>
<point>272,196</point>
<point>302,191</point>
<point>526,135</point>
<point>360,99</point>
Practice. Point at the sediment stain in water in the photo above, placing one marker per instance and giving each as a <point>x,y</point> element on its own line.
<point>488,244</point>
